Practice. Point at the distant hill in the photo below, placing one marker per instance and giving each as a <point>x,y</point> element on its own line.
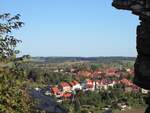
<point>78,59</point>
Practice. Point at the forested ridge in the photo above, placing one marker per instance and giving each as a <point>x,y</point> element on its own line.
<point>75,59</point>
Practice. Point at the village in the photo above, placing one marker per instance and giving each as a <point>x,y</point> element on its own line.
<point>94,81</point>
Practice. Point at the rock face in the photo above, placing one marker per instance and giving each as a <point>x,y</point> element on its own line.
<point>140,8</point>
<point>142,65</point>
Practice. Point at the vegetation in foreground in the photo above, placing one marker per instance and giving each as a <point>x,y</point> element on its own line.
<point>13,80</point>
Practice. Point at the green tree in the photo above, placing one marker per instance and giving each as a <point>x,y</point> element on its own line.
<point>13,96</point>
<point>94,67</point>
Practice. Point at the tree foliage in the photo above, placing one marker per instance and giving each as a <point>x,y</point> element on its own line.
<point>7,41</point>
<point>13,96</point>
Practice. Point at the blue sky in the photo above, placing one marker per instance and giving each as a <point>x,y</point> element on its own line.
<point>73,28</point>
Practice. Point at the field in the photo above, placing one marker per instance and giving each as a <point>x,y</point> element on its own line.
<point>133,111</point>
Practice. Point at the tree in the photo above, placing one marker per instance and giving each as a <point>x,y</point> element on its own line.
<point>7,41</point>
<point>13,96</point>
<point>94,67</point>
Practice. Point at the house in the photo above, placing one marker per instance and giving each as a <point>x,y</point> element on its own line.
<point>111,72</point>
<point>37,89</point>
<point>130,71</point>
<point>84,74</point>
<point>61,70</point>
<point>75,85</point>
<point>111,83</point>
<point>89,82</point>
<point>96,73</point>
<point>56,71</point>
<point>103,84</point>
<point>122,106</point>
<point>90,85</point>
<point>73,70</point>
<point>126,82</point>
<point>98,84</point>
<point>135,88</point>
<point>55,91</point>
<point>128,89</point>
<point>129,86</point>
<point>65,87</point>
<point>83,85</point>
<point>67,95</point>
<point>144,91</point>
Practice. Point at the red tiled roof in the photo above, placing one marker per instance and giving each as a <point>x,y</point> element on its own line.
<point>84,73</point>
<point>89,86</point>
<point>64,84</point>
<point>71,84</point>
<point>96,73</point>
<point>104,82</point>
<point>55,90</point>
<point>75,82</point>
<point>67,95</point>
<point>89,82</point>
<point>126,82</point>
